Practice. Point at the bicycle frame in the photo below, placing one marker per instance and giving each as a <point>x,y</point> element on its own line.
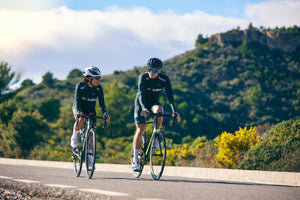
<point>150,151</point>
<point>87,130</point>
<point>153,132</point>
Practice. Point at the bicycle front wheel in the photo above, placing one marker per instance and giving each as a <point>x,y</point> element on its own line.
<point>77,158</point>
<point>90,153</point>
<point>157,155</point>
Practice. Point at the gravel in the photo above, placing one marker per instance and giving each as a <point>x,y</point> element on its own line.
<point>11,190</point>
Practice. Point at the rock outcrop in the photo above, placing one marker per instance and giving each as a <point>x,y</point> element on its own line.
<point>284,41</point>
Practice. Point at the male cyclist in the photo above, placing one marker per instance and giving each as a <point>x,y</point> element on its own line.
<point>150,86</point>
<point>86,94</point>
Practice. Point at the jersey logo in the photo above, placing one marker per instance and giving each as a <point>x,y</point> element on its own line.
<point>92,99</point>
<point>162,79</point>
<point>149,89</point>
<point>157,90</point>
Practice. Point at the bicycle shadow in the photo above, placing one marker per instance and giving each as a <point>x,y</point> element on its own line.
<point>192,181</point>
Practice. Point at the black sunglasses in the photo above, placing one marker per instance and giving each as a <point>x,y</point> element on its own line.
<point>97,77</point>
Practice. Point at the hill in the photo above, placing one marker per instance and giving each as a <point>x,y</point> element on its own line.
<point>238,78</point>
<point>235,79</point>
<point>230,81</point>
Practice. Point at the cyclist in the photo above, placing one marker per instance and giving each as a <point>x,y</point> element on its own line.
<point>150,86</point>
<point>86,94</point>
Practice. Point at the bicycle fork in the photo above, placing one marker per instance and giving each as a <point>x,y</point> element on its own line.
<point>150,141</point>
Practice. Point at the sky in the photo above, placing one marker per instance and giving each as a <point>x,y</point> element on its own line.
<point>57,36</point>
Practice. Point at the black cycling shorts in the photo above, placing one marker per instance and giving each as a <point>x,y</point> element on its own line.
<point>138,119</point>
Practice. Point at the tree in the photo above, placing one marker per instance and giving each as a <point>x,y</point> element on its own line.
<point>24,131</point>
<point>251,27</point>
<point>48,79</point>
<point>119,104</point>
<point>7,110</point>
<point>26,83</point>
<point>255,95</point>
<point>7,78</point>
<point>201,40</point>
<point>75,73</point>
<point>50,109</point>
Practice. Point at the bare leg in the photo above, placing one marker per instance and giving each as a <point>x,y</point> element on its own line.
<point>79,125</point>
<point>157,109</point>
<point>140,129</point>
<point>76,130</point>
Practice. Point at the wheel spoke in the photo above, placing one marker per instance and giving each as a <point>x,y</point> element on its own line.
<point>157,155</point>
<point>141,159</point>
<point>90,153</point>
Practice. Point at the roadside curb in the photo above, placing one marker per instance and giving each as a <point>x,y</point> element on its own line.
<point>253,176</point>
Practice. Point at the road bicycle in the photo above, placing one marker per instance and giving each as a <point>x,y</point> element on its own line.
<point>153,150</point>
<point>86,149</point>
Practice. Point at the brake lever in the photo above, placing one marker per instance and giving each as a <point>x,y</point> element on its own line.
<point>104,118</point>
<point>103,126</point>
<point>78,116</point>
<point>174,119</point>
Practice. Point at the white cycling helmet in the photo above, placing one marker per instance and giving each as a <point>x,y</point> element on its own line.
<point>91,71</point>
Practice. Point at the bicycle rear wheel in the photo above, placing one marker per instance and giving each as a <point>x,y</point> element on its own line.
<point>90,153</point>
<point>141,159</point>
<point>157,155</point>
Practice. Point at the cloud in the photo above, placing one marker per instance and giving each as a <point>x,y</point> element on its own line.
<point>29,5</point>
<point>118,39</point>
<point>274,13</point>
<point>60,39</point>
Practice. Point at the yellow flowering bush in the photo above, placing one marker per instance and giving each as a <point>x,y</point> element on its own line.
<point>182,154</point>
<point>233,147</point>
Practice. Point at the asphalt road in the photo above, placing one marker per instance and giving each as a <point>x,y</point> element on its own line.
<point>125,186</point>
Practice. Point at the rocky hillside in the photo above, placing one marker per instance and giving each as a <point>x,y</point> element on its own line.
<point>283,41</point>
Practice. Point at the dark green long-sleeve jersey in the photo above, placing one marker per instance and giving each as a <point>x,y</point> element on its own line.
<point>149,90</point>
<point>86,97</point>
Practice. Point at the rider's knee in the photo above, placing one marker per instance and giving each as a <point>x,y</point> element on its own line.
<point>157,109</point>
<point>140,128</point>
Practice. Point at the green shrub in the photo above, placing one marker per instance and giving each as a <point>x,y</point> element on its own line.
<point>280,150</point>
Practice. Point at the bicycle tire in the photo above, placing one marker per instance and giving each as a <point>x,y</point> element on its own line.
<point>90,153</point>
<point>141,159</point>
<point>76,155</point>
<point>158,155</point>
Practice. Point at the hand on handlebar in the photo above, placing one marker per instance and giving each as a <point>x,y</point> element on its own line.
<point>77,115</point>
<point>106,117</point>
<point>177,116</point>
<point>145,113</point>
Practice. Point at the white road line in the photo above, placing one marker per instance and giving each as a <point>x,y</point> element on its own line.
<point>5,177</point>
<point>108,193</point>
<point>26,181</point>
<point>148,199</point>
<point>60,186</point>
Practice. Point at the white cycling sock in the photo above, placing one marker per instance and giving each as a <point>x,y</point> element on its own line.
<point>136,155</point>
<point>75,133</point>
<point>91,156</point>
